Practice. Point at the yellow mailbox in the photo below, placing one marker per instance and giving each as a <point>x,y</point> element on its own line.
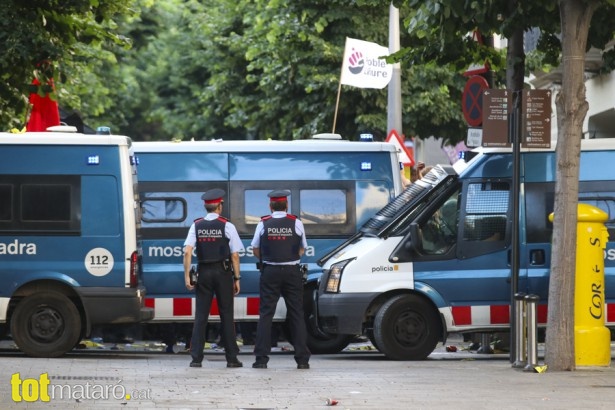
<point>592,345</point>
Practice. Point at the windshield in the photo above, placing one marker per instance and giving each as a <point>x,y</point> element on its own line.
<point>395,211</point>
<point>410,195</point>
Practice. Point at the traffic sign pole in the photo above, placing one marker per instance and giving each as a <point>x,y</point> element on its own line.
<point>514,131</point>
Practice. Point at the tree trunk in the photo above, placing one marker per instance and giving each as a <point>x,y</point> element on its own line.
<point>572,107</point>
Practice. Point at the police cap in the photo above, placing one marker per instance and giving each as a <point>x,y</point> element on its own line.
<point>213,196</point>
<point>278,195</point>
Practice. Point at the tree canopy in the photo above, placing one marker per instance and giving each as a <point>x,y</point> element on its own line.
<point>233,69</point>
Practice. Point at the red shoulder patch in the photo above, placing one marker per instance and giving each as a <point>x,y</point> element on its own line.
<point>198,219</point>
<point>291,216</point>
<point>264,218</point>
<point>223,219</point>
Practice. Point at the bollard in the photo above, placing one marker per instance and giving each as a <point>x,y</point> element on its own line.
<point>532,331</point>
<point>485,344</point>
<point>592,339</point>
<point>520,331</point>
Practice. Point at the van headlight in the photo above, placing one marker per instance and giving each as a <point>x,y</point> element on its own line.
<point>335,276</point>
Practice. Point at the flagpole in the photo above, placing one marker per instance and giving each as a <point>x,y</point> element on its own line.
<point>337,104</point>
<point>339,88</point>
<point>394,121</point>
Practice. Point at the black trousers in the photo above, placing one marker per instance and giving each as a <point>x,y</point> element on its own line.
<point>214,280</point>
<point>285,281</point>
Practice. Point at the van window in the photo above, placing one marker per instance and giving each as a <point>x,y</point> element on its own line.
<point>484,218</point>
<point>256,205</point>
<point>56,198</point>
<point>323,206</point>
<point>539,200</point>
<point>163,207</point>
<point>485,211</point>
<point>6,200</point>
<point>326,208</point>
<point>24,194</point>
<point>439,232</point>
<point>604,201</point>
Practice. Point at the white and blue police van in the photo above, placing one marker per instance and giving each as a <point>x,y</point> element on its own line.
<point>336,186</point>
<point>437,259</point>
<point>69,256</point>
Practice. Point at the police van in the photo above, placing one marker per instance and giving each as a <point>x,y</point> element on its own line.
<point>437,259</point>
<point>69,256</point>
<point>336,186</point>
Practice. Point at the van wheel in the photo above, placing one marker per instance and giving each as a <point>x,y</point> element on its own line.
<point>406,328</point>
<point>46,324</point>
<point>327,345</point>
<point>372,339</point>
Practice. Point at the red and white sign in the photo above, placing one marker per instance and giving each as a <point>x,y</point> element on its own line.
<point>477,68</point>
<point>406,156</point>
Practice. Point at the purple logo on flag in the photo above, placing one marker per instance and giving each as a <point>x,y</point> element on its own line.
<point>356,62</point>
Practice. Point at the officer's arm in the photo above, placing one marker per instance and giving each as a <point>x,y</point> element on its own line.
<point>236,273</point>
<point>257,252</point>
<point>235,262</point>
<point>187,263</point>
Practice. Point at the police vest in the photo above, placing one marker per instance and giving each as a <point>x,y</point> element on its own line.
<point>279,241</point>
<point>211,243</point>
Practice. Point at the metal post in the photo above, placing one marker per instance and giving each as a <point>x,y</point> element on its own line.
<point>514,124</point>
<point>520,334</point>
<point>485,344</point>
<point>532,331</point>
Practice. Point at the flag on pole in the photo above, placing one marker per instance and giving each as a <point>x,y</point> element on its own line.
<point>44,110</point>
<point>363,67</point>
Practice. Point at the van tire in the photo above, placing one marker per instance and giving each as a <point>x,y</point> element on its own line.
<point>327,345</point>
<point>46,324</point>
<point>406,327</point>
<point>372,339</point>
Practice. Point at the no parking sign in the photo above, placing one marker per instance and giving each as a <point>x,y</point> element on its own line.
<point>472,100</point>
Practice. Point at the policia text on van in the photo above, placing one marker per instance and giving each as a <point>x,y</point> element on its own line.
<point>69,257</point>
<point>437,259</point>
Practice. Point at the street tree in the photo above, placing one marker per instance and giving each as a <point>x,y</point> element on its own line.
<point>440,33</point>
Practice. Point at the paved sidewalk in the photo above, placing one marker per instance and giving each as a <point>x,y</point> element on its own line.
<point>357,379</point>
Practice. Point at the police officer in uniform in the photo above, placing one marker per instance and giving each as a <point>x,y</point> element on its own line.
<point>217,245</point>
<point>279,241</point>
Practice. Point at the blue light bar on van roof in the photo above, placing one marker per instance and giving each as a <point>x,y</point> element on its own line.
<point>93,160</point>
<point>366,166</point>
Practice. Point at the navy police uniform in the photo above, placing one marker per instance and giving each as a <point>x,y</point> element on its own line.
<point>279,241</point>
<point>215,240</point>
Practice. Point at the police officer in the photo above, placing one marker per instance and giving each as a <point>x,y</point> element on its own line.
<point>279,241</point>
<point>217,245</point>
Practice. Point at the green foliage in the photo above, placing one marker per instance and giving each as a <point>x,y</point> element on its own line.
<point>439,32</point>
<point>258,69</point>
<point>50,39</point>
